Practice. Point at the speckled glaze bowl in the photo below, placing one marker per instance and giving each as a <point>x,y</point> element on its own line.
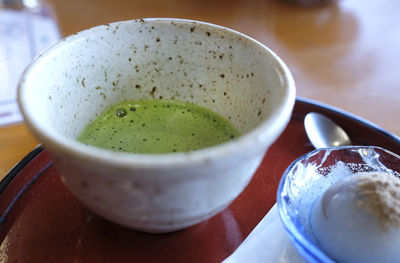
<point>72,82</point>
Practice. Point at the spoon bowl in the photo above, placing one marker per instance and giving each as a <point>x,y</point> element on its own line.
<point>323,132</point>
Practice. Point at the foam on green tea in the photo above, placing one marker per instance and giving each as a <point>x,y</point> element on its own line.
<point>157,126</point>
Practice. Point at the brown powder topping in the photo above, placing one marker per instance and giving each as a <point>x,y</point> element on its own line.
<point>379,194</point>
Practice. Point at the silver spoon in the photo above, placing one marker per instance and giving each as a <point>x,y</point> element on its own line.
<point>323,132</point>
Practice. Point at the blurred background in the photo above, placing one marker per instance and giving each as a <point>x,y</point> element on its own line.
<point>344,53</point>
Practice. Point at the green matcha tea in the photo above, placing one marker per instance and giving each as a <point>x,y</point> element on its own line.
<point>157,126</point>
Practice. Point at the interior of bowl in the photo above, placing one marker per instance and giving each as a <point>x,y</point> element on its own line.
<point>308,177</point>
<point>71,83</point>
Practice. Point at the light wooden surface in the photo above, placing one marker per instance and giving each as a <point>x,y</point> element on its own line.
<point>346,55</point>
<point>15,143</point>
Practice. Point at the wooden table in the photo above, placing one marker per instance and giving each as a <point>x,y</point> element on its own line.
<point>346,55</point>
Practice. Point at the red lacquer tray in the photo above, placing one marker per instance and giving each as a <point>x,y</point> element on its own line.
<point>41,221</point>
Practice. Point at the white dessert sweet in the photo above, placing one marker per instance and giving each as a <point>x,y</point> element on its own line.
<point>357,219</point>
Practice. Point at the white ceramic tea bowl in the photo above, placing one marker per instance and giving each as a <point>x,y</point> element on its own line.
<point>71,83</point>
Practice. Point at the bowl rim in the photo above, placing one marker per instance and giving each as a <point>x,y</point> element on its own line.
<point>302,244</point>
<point>258,138</point>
